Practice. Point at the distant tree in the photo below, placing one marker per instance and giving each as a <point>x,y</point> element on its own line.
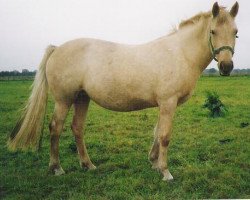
<point>14,73</point>
<point>236,71</point>
<point>25,71</point>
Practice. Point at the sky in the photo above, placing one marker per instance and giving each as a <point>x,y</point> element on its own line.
<point>27,27</point>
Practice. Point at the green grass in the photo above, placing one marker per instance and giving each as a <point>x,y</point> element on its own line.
<point>209,158</point>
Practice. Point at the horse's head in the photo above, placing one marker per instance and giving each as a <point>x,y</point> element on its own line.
<point>223,32</point>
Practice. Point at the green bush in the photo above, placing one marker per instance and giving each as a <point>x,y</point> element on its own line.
<point>214,105</point>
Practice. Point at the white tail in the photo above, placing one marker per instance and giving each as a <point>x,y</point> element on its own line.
<point>27,131</point>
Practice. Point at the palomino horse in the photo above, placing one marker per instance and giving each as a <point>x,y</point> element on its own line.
<point>125,78</point>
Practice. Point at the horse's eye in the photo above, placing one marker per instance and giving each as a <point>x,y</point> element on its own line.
<point>237,36</point>
<point>212,32</point>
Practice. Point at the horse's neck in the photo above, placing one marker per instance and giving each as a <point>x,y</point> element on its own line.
<point>195,46</point>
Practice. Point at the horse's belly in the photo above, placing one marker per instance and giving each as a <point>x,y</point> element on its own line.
<point>122,102</point>
<point>120,88</point>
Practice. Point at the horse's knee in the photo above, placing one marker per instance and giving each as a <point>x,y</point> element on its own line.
<point>164,141</point>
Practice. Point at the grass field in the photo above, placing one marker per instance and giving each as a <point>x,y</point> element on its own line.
<point>209,158</point>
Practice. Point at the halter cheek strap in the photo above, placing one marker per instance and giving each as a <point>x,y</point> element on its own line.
<point>218,50</point>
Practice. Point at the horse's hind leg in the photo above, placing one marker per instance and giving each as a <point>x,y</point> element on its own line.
<point>56,126</point>
<point>154,152</point>
<point>80,111</point>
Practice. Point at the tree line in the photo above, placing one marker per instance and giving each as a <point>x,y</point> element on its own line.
<point>24,72</point>
<point>235,72</point>
<point>207,72</point>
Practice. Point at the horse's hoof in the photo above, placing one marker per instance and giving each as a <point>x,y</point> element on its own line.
<point>92,167</point>
<point>56,170</point>
<point>167,176</point>
<point>89,166</point>
<point>59,172</point>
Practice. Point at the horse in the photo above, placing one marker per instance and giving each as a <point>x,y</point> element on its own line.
<point>119,77</point>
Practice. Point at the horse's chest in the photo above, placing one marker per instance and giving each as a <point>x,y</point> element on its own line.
<point>185,89</point>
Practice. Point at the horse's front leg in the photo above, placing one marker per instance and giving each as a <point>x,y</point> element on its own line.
<point>163,133</point>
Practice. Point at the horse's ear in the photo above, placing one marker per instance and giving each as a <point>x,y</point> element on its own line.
<point>234,9</point>
<point>216,9</point>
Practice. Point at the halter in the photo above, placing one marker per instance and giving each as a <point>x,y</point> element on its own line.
<point>218,50</point>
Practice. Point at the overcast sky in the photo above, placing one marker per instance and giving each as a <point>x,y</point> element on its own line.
<point>28,26</point>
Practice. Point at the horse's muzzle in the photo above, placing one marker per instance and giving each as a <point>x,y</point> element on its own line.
<point>226,67</point>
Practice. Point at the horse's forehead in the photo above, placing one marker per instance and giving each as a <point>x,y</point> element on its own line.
<point>225,19</point>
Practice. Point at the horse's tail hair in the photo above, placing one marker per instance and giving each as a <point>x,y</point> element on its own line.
<point>27,132</point>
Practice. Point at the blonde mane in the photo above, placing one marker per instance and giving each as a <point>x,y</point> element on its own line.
<point>195,19</point>
<point>198,17</point>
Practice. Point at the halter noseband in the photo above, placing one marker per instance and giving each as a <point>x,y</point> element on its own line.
<point>218,50</point>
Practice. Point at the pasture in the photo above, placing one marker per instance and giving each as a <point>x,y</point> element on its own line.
<point>208,157</point>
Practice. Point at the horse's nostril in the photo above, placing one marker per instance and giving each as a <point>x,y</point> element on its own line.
<point>222,65</point>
